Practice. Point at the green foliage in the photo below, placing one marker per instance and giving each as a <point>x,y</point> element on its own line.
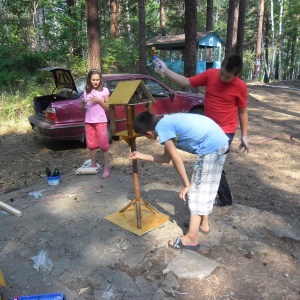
<point>50,34</point>
<point>118,55</point>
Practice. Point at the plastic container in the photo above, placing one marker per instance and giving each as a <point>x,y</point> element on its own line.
<point>57,296</point>
<point>54,180</point>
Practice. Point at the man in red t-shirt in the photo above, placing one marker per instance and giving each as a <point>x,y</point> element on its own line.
<point>226,99</point>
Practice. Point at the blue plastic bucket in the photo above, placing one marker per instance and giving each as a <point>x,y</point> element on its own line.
<point>54,180</point>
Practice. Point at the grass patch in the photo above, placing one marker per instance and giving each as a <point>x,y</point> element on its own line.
<point>20,126</point>
<point>16,107</point>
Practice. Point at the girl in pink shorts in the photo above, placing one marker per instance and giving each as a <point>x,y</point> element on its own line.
<point>95,103</point>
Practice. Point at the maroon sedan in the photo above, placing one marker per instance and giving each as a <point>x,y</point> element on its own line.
<point>60,116</point>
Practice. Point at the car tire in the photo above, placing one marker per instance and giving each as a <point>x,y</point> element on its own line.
<point>109,134</point>
<point>197,110</point>
<point>115,138</point>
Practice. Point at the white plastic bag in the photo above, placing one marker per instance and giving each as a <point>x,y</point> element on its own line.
<point>87,164</point>
<point>43,262</point>
<point>87,169</point>
<point>36,194</point>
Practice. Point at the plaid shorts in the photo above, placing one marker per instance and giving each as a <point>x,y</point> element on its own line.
<point>205,181</point>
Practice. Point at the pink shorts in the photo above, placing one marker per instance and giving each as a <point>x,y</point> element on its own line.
<point>96,136</point>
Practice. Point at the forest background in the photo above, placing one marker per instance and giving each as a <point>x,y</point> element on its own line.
<point>35,34</point>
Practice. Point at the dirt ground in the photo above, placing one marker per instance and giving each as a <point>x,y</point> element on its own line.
<point>268,178</point>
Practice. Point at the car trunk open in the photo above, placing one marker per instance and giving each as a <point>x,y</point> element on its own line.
<point>65,88</point>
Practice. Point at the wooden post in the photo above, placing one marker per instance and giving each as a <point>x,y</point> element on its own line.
<point>10,209</point>
<point>122,95</point>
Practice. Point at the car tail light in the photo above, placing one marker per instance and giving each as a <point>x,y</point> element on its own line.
<point>50,114</point>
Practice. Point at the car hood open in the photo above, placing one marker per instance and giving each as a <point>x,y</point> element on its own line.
<point>62,77</point>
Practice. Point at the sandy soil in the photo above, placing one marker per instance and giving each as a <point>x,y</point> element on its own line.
<point>268,178</point>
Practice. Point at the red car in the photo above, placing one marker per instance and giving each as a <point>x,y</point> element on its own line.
<point>60,116</point>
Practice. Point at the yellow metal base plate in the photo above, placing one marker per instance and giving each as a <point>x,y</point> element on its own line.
<point>2,282</point>
<point>128,220</point>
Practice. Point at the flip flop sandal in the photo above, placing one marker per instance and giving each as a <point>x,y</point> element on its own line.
<point>187,224</point>
<point>177,244</point>
<point>105,173</point>
<point>204,232</point>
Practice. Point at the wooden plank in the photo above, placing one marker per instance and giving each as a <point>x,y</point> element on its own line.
<point>10,209</point>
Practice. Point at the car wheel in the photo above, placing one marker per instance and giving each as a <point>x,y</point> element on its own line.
<point>115,138</point>
<point>197,110</point>
<point>109,134</point>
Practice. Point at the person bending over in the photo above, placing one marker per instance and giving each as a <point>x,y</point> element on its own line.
<point>194,134</point>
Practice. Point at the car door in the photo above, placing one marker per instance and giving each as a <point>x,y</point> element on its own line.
<point>166,100</point>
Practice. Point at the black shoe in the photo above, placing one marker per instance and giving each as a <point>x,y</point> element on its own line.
<point>219,202</point>
<point>186,223</point>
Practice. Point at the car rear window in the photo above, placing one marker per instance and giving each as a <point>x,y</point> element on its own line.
<point>80,85</point>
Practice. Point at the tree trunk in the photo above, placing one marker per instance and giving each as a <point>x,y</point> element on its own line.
<point>93,34</point>
<point>293,66</point>
<point>46,42</point>
<point>162,18</point>
<point>273,41</point>
<point>33,37</point>
<point>113,18</point>
<point>142,38</point>
<point>281,2</point>
<point>209,14</point>
<point>232,24</point>
<point>74,47</point>
<point>241,28</point>
<point>190,37</point>
<point>257,64</point>
<point>265,50</point>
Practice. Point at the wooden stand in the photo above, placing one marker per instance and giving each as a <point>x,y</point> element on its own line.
<point>130,139</point>
<point>137,216</point>
<point>138,200</point>
<point>124,218</point>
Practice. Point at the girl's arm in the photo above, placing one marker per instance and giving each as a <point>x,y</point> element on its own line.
<point>102,103</point>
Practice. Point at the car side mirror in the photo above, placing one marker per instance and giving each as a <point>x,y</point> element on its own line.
<point>171,95</point>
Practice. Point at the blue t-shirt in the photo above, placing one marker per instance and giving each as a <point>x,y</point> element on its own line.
<point>195,134</point>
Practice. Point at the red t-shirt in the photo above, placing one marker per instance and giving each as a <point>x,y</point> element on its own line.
<point>222,99</point>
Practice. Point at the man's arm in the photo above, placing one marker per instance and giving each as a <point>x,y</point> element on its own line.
<point>170,153</point>
<point>179,166</point>
<point>158,158</point>
<point>243,118</point>
<point>177,78</point>
<point>177,162</point>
